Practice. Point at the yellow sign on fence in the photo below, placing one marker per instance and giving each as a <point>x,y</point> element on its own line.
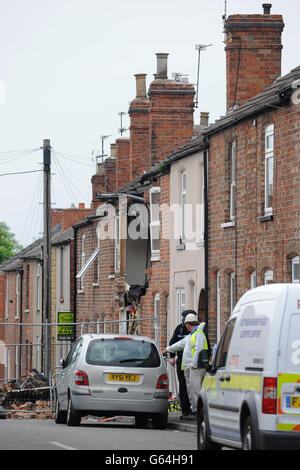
<point>65,332</point>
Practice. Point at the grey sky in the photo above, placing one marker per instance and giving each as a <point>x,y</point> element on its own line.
<point>69,67</point>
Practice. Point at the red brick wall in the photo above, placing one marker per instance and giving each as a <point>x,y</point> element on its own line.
<point>253,54</point>
<point>139,137</point>
<point>68,217</point>
<point>123,170</point>
<point>159,272</point>
<point>253,245</point>
<point>170,116</point>
<point>2,314</point>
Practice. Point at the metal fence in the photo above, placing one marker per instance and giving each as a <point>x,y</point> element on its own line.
<point>25,349</point>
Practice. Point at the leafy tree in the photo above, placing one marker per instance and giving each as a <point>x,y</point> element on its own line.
<point>8,244</point>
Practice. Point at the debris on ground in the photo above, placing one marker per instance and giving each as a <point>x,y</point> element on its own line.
<point>26,397</point>
<point>41,409</point>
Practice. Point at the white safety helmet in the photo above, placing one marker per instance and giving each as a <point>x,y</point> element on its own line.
<point>191,318</point>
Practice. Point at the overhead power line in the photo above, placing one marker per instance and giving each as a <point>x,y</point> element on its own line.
<point>20,173</point>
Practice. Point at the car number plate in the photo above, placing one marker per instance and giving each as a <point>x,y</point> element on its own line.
<point>292,401</point>
<point>123,378</point>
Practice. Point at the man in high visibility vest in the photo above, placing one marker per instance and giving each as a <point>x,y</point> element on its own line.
<point>192,345</point>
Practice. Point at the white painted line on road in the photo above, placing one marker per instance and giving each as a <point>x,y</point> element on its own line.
<point>63,446</point>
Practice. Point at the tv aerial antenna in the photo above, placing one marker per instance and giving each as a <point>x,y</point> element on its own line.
<point>200,48</point>
<point>122,129</point>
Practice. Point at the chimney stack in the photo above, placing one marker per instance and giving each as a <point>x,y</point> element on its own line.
<point>162,65</point>
<point>253,54</point>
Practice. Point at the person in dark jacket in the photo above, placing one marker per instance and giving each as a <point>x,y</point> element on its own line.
<point>179,332</point>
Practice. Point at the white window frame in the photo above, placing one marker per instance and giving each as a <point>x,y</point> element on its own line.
<point>6,298</point>
<point>82,259</point>
<point>232,180</point>
<point>232,292</point>
<point>218,306</point>
<point>38,287</point>
<point>295,262</point>
<point>17,296</point>
<point>117,244</point>
<point>180,303</point>
<point>182,204</point>
<point>269,276</point>
<point>253,280</point>
<point>97,280</point>
<point>269,157</point>
<point>154,224</point>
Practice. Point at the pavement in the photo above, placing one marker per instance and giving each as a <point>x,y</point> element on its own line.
<point>188,423</point>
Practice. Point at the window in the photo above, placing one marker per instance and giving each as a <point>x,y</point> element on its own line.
<point>97,265</point>
<point>61,260</point>
<point>122,352</point>
<point>223,348</point>
<point>218,305</point>
<point>253,280</point>
<point>183,203</point>
<point>232,180</point>
<point>17,295</point>
<point>82,260</point>
<point>295,270</point>
<point>269,168</point>
<point>269,277</point>
<point>117,244</point>
<point>232,292</point>
<point>180,303</point>
<point>155,223</point>
<point>27,287</point>
<point>38,287</point>
<point>6,298</point>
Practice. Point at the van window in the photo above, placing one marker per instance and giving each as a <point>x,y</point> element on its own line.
<point>293,345</point>
<point>222,352</point>
<point>251,334</point>
<point>122,352</point>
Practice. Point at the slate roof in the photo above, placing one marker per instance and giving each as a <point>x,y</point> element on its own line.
<point>271,97</point>
<point>34,250</point>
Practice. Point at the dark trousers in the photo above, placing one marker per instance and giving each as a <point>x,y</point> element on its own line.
<point>183,394</point>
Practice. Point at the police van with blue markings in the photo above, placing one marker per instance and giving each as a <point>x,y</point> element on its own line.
<point>250,396</point>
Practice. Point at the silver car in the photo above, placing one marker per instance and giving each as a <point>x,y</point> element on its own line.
<point>105,375</point>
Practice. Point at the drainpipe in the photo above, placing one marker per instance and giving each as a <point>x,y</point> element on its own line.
<point>205,168</point>
<point>74,278</point>
<point>20,271</point>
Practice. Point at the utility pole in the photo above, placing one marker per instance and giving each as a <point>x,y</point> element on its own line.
<point>47,256</point>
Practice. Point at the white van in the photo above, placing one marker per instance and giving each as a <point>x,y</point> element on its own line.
<point>250,397</point>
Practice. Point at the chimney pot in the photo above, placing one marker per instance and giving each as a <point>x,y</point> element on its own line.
<point>141,85</point>
<point>162,65</point>
<point>267,8</point>
<point>113,151</point>
<point>204,116</point>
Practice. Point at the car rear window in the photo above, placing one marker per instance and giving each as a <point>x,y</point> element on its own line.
<point>122,352</point>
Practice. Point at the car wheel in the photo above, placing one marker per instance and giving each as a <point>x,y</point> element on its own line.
<point>204,441</point>
<point>160,421</point>
<point>73,417</point>
<point>248,439</point>
<point>141,421</point>
<point>60,416</point>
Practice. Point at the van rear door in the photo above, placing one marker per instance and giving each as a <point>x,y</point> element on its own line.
<point>288,408</point>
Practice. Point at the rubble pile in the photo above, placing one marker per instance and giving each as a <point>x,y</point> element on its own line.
<point>27,397</point>
<point>41,409</point>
